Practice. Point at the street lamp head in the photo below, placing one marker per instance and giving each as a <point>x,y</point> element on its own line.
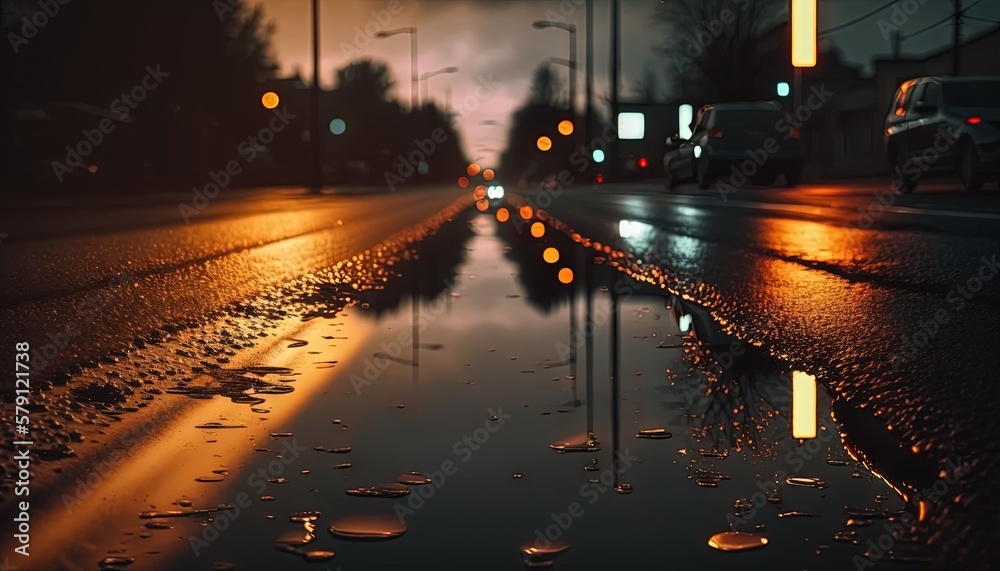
<point>540,24</point>
<point>387,33</point>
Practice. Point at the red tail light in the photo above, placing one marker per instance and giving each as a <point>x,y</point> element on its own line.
<point>643,163</point>
<point>794,133</point>
<point>715,133</point>
<point>600,178</point>
<point>975,120</point>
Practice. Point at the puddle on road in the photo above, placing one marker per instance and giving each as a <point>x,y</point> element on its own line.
<point>487,375</point>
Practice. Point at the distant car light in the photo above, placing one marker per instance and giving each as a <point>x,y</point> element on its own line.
<point>643,163</point>
<point>697,151</point>
<point>598,156</point>
<point>975,120</point>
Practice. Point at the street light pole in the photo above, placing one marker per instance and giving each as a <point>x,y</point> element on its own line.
<point>615,63</point>
<point>414,74</point>
<point>314,130</point>
<point>572,73</point>
<point>415,103</point>
<point>589,120</point>
<point>571,62</point>
<point>427,76</point>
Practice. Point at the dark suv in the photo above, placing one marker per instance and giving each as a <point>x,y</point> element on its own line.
<point>752,140</point>
<point>944,125</point>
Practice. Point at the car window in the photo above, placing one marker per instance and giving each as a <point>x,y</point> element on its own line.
<point>932,95</point>
<point>972,94</point>
<point>912,96</point>
<point>705,120</point>
<point>756,119</point>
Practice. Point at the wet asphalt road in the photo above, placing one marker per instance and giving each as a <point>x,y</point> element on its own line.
<point>898,317</point>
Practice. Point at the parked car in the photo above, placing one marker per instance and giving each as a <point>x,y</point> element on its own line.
<point>944,126</point>
<point>753,140</point>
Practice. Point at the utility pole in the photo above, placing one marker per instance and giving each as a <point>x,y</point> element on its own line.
<point>896,39</point>
<point>589,119</point>
<point>615,63</point>
<point>314,129</point>
<point>955,67</point>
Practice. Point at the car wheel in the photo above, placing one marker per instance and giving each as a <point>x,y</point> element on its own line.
<point>969,171</point>
<point>902,182</point>
<point>704,174</point>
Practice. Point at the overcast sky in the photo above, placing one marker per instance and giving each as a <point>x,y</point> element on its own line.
<point>494,39</point>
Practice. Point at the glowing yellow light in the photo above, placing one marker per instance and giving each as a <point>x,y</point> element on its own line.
<point>483,205</point>
<point>270,100</point>
<point>473,169</point>
<point>526,212</point>
<point>803,33</point>
<point>544,143</point>
<point>538,229</point>
<point>463,182</point>
<point>480,192</point>
<point>566,128</point>
<point>488,174</point>
<point>803,405</point>
<point>503,215</point>
<point>565,276</point>
<point>550,255</point>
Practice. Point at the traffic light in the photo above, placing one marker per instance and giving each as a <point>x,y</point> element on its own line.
<point>643,163</point>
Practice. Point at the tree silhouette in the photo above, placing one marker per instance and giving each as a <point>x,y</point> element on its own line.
<point>712,44</point>
<point>365,80</point>
<point>539,116</point>
<point>93,52</point>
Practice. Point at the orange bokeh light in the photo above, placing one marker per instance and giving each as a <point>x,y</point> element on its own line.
<point>480,192</point>
<point>463,182</point>
<point>270,100</point>
<point>550,255</point>
<point>565,275</point>
<point>526,212</point>
<point>473,169</point>
<point>483,205</point>
<point>488,174</point>
<point>503,215</point>
<point>544,143</point>
<point>566,127</point>
<point>538,229</point>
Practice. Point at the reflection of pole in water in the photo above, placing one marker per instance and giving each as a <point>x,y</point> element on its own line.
<point>572,342</point>
<point>416,338</point>
<point>589,349</point>
<point>615,389</point>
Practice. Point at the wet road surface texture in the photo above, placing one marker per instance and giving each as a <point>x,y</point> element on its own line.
<point>518,386</point>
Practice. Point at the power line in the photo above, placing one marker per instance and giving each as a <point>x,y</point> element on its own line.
<point>943,20</point>
<point>982,19</point>
<point>856,20</point>
<point>934,25</point>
